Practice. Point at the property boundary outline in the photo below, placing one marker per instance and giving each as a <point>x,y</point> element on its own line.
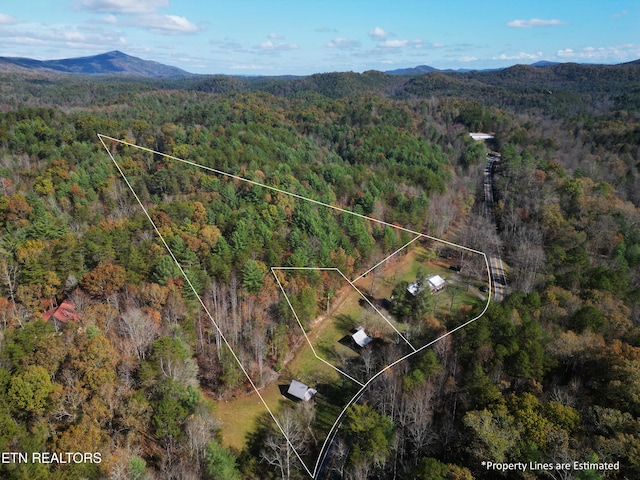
<point>332,432</point>
<point>364,297</point>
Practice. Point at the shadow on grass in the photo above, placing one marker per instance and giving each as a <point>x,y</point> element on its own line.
<point>284,391</point>
<point>330,401</point>
<point>345,322</point>
<point>326,351</point>
<point>349,342</point>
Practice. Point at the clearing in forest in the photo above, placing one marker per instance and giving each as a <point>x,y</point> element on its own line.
<point>417,295</point>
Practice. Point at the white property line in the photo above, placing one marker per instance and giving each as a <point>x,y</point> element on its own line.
<point>220,332</point>
<point>273,270</point>
<point>269,187</point>
<point>324,450</point>
<point>302,327</point>
<point>387,258</point>
<point>333,429</point>
<point>379,312</point>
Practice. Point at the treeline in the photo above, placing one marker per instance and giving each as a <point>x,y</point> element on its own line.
<point>558,90</point>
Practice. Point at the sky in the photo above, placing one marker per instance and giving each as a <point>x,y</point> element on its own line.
<point>302,37</point>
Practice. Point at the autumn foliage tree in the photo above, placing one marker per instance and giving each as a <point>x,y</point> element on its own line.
<point>104,280</point>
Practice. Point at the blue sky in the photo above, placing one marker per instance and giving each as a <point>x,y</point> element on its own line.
<point>275,37</point>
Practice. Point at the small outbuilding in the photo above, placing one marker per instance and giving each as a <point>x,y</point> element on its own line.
<point>436,283</point>
<point>481,136</point>
<point>361,338</point>
<point>300,391</point>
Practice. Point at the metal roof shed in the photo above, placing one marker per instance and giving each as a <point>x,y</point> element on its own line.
<point>301,391</point>
<point>361,338</point>
<point>436,282</point>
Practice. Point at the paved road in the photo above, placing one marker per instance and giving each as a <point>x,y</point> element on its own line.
<point>498,285</point>
<point>499,280</point>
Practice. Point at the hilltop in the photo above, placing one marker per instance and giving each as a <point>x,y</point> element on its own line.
<point>110,63</point>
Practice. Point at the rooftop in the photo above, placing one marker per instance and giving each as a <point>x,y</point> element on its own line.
<point>300,390</point>
<point>361,338</point>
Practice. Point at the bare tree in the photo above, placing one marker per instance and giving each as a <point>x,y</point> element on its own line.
<point>174,307</point>
<point>528,259</point>
<point>419,417</point>
<point>281,451</point>
<point>360,470</point>
<point>479,233</point>
<point>9,271</point>
<point>139,329</point>
<point>259,344</point>
<point>369,359</point>
<point>200,429</point>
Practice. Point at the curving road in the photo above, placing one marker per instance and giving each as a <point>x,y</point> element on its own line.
<point>328,461</point>
<point>498,278</point>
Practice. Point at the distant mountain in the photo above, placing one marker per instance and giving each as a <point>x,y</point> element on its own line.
<point>412,71</point>
<point>544,63</point>
<point>422,69</point>
<point>110,63</point>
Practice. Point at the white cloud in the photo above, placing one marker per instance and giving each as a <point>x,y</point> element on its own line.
<point>182,58</point>
<point>566,52</point>
<point>110,19</point>
<point>615,53</point>
<point>535,22</point>
<point>326,30</point>
<point>343,43</point>
<point>269,46</point>
<point>227,45</point>
<point>124,6</point>
<point>520,56</point>
<point>167,24</point>
<point>58,36</point>
<point>7,19</point>
<point>620,14</point>
<point>394,43</point>
<point>251,67</point>
<point>379,34</point>
<point>275,36</point>
<point>73,37</point>
<point>22,40</point>
<point>468,59</point>
<point>401,43</point>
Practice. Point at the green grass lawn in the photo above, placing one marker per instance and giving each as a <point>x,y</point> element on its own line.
<point>238,415</point>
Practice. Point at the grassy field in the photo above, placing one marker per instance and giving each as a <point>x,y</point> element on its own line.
<point>238,415</point>
<point>408,268</point>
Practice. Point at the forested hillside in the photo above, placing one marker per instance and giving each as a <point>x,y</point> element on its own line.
<point>106,349</point>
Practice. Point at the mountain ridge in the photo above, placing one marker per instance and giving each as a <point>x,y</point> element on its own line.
<point>114,62</point>
<point>118,63</point>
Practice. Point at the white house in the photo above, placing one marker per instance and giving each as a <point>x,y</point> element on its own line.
<point>300,390</point>
<point>436,283</point>
<point>361,338</point>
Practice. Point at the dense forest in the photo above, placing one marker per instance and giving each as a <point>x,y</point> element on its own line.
<point>108,339</point>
